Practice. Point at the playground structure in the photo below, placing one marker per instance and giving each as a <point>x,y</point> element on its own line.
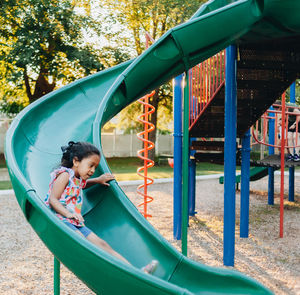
<point>32,146</point>
<point>268,128</point>
<point>142,189</point>
<point>245,81</point>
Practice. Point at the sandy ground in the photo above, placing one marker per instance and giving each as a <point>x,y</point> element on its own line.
<point>26,266</point>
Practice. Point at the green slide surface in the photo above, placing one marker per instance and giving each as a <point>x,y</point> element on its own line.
<point>78,111</point>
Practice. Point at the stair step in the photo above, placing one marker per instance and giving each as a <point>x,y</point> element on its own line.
<point>260,74</point>
<point>216,158</point>
<point>208,146</point>
<point>259,84</point>
<point>267,65</point>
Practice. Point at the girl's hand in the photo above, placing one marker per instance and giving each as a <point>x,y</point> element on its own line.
<point>75,216</point>
<point>104,179</point>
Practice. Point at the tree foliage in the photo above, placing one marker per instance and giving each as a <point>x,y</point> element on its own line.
<point>134,19</point>
<point>13,98</point>
<point>43,45</point>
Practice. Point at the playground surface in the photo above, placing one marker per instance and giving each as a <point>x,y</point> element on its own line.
<point>26,265</point>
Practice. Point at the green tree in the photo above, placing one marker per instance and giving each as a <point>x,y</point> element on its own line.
<point>43,45</point>
<point>14,98</point>
<point>134,18</point>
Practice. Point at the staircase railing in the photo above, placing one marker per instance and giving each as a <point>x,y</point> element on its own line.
<point>205,80</point>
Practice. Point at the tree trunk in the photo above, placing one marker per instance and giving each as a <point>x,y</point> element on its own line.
<point>27,85</point>
<point>42,86</point>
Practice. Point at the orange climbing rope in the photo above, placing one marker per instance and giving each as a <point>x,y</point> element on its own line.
<point>142,189</point>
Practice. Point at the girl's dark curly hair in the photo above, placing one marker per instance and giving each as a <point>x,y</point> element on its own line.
<point>78,150</point>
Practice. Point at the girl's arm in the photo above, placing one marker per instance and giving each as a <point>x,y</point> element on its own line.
<point>58,188</point>
<point>102,179</point>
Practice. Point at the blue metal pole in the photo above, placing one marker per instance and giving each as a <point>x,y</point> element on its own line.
<point>293,93</point>
<point>230,156</point>
<point>271,152</point>
<point>192,186</point>
<point>245,184</point>
<point>292,184</point>
<point>292,169</point>
<point>177,185</point>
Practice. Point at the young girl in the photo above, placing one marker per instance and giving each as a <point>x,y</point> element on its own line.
<point>78,164</point>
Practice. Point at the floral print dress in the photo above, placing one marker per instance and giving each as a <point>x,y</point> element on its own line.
<point>71,198</point>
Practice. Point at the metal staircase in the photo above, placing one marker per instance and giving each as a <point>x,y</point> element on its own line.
<point>264,71</point>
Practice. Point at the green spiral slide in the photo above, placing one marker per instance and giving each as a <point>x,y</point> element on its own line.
<point>78,111</point>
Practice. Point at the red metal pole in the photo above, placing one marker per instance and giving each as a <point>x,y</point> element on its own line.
<point>203,84</point>
<point>197,89</point>
<point>213,74</point>
<point>148,145</point>
<point>146,155</point>
<point>190,74</point>
<point>219,70</point>
<point>143,154</point>
<point>265,124</point>
<point>192,110</point>
<point>276,129</point>
<point>209,79</point>
<point>206,80</point>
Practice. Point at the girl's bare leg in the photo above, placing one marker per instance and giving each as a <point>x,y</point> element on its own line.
<point>93,238</point>
<point>104,245</point>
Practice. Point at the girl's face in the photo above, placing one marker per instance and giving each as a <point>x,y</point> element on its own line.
<point>86,167</point>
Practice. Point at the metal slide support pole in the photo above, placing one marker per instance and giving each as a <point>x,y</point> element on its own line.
<point>177,184</point>
<point>56,276</point>
<point>245,186</point>
<point>271,152</point>
<point>185,166</point>
<point>192,180</point>
<point>293,93</point>
<point>292,184</point>
<point>192,186</point>
<point>230,156</point>
<point>292,169</point>
<point>283,139</point>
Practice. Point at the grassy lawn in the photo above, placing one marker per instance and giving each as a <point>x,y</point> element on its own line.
<point>125,169</point>
<point>4,185</point>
